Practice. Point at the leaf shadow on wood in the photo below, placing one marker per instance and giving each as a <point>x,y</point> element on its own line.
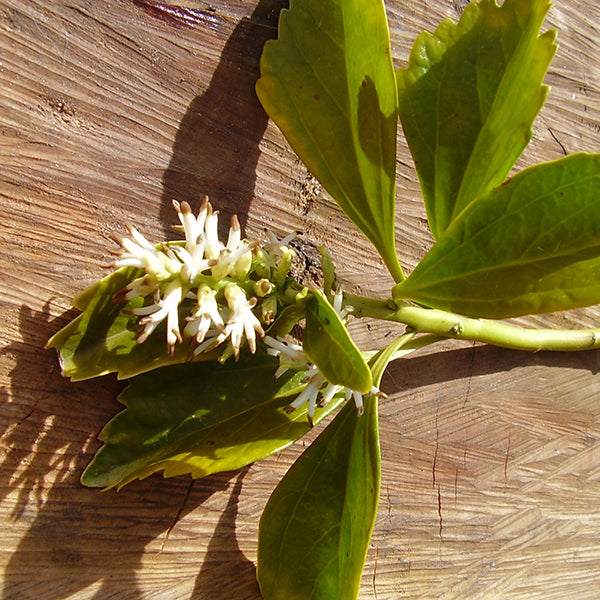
<point>241,574</point>
<point>79,537</point>
<point>447,366</point>
<point>216,148</point>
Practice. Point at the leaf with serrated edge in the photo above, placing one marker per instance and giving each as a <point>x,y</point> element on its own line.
<point>329,346</point>
<point>468,98</point>
<point>200,419</point>
<point>103,339</point>
<point>328,83</point>
<point>531,246</point>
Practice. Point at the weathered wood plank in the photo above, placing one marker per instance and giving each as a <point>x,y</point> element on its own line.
<point>108,110</point>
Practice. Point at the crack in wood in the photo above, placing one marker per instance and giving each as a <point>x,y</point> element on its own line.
<point>435,453</point>
<point>506,457</point>
<point>439,511</point>
<point>177,515</point>
<point>564,150</point>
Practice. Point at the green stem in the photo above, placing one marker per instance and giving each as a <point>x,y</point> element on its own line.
<point>498,333</point>
<point>392,263</point>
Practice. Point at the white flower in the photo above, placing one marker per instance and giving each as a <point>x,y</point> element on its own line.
<point>279,255</point>
<point>138,288</point>
<point>193,227</point>
<point>291,356</point>
<point>191,264</point>
<point>212,244</point>
<point>242,321</point>
<point>235,262</point>
<point>204,315</point>
<point>139,252</point>
<point>314,381</point>
<point>214,337</point>
<point>275,246</point>
<point>167,308</point>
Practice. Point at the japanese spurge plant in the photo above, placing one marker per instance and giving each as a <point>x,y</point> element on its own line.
<point>202,326</point>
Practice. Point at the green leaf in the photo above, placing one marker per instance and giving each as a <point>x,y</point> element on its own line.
<point>315,530</point>
<point>329,346</point>
<point>103,339</point>
<point>530,246</point>
<point>468,99</point>
<point>200,419</point>
<point>328,83</point>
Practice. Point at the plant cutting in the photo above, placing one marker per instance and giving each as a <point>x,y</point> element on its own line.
<point>230,359</point>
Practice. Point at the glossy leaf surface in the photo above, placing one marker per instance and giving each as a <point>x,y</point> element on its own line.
<point>329,346</point>
<point>531,246</point>
<point>328,83</point>
<point>315,530</point>
<point>200,419</point>
<point>468,98</point>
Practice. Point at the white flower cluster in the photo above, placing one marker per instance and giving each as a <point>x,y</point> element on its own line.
<point>206,291</point>
<point>292,357</point>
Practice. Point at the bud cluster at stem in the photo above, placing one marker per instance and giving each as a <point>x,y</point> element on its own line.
<point>207,292</point>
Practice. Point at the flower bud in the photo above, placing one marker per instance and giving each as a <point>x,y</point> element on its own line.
<point>284,264</point>
<point>263,287</point>
<point>261,264</point>
<point>242,265</point>
<point>268,309</point>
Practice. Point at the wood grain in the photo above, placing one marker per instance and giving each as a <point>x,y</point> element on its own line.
<point>491,475</point>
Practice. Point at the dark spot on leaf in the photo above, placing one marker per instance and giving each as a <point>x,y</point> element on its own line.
<point>326,321</point>
<point>364,83</point>
<point>317,97</point>
<point>210,443</point>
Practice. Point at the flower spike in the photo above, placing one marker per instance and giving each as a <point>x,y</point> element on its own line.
<point>203,290</point>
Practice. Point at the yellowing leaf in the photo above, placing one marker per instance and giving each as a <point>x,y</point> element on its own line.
<point>315,530</point>
<point>103,339</point>
<point>200,419</point>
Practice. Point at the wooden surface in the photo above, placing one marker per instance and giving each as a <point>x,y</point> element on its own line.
<point>491,472</point>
